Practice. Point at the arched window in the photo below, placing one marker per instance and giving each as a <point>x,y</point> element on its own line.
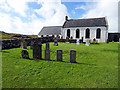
<point>77,33</point>
<point>87,33</point>
<point>68,33</point>
<point>98,33</point>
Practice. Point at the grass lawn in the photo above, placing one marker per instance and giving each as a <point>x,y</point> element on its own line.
<point>96,67</point>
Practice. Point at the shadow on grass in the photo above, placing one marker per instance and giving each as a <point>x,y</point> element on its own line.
<point>5,51</point>
<point>108,50</point>
<point>38,60</point>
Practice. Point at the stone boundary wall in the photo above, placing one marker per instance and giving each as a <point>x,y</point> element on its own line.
<point>15,43</point>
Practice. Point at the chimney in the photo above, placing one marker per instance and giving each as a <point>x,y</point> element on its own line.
<point>66,18</point>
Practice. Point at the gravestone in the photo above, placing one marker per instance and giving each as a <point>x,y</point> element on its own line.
<point>112,41</point>
<point>72,56</point>
<point>87,43</point>
<point>80,40</point>
<point>31,45</point>
<point>55,42</point>
<point>37,51</point>
<point>119,40</point>
<point>25,54</point>
<point>77,42</point>
<point>21,42</point>
<point>107,41</point>
<point>67,39</point>
<point>59,55</point>
<point>71,37</point>
<point>47,52</point>
<point>24,44</point>
<point>94,40</point>
<point>47,46</point>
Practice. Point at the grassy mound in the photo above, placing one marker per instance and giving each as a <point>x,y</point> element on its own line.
<point>96,67</point>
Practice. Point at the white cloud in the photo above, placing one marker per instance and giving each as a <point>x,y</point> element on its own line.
<point>53,13</point>
<point>105,8</point>
<point>81,7</point>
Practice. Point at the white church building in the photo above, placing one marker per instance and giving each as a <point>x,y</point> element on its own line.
<point>86,29</point>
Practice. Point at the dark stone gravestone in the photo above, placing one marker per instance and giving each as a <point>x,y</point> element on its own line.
<point>55,42</point>
<point>47,52</point>
<point>53,36</point>
<point>59,55</point>
<point>31,45</point>
<point>80,40</point>
<point>58,37</point>
<point>72,56</point>
<point>107,41</point>
<point>25,54</point>
<point>47,46</point>
<point>94,40</point>
<point>37,51</point>
<point>71,37</point>
<point>24,44</point>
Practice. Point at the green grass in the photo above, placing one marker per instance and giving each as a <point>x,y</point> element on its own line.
<point>96,67</point>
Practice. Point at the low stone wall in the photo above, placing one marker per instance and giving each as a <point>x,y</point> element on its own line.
<point>15,43</point>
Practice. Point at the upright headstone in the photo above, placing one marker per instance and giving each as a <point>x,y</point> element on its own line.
<point>40,50</point>
<point>67,39</point>
<point>55,42</point>
<point>71,37</point>
<point>82,39</point>
<point>112,41</point>
<point>87,43</point>
<point>25,54</point>
<point>24,44</point>
<point>37,51</point>
<point>119,40</point>
<point>59,55</point>
<point>21,42</point>
<point>77,42</point>
<point>31,45</point>
<point>72,56</point>
<point>107,41</point>
<point>94,40</point>
<point>47,52</point>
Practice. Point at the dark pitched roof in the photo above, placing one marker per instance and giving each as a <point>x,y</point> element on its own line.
<point>51,30</point>
<point>90,22</point>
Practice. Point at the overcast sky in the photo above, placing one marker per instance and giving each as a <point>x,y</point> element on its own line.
<point>29,16</point>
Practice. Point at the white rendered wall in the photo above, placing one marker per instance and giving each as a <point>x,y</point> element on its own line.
<point>82,30</point>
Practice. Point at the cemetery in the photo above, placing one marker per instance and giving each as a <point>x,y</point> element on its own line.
<point>58,63</point>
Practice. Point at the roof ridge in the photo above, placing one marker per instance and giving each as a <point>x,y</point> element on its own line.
<point>86,18</point>
<point>52,26</point>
